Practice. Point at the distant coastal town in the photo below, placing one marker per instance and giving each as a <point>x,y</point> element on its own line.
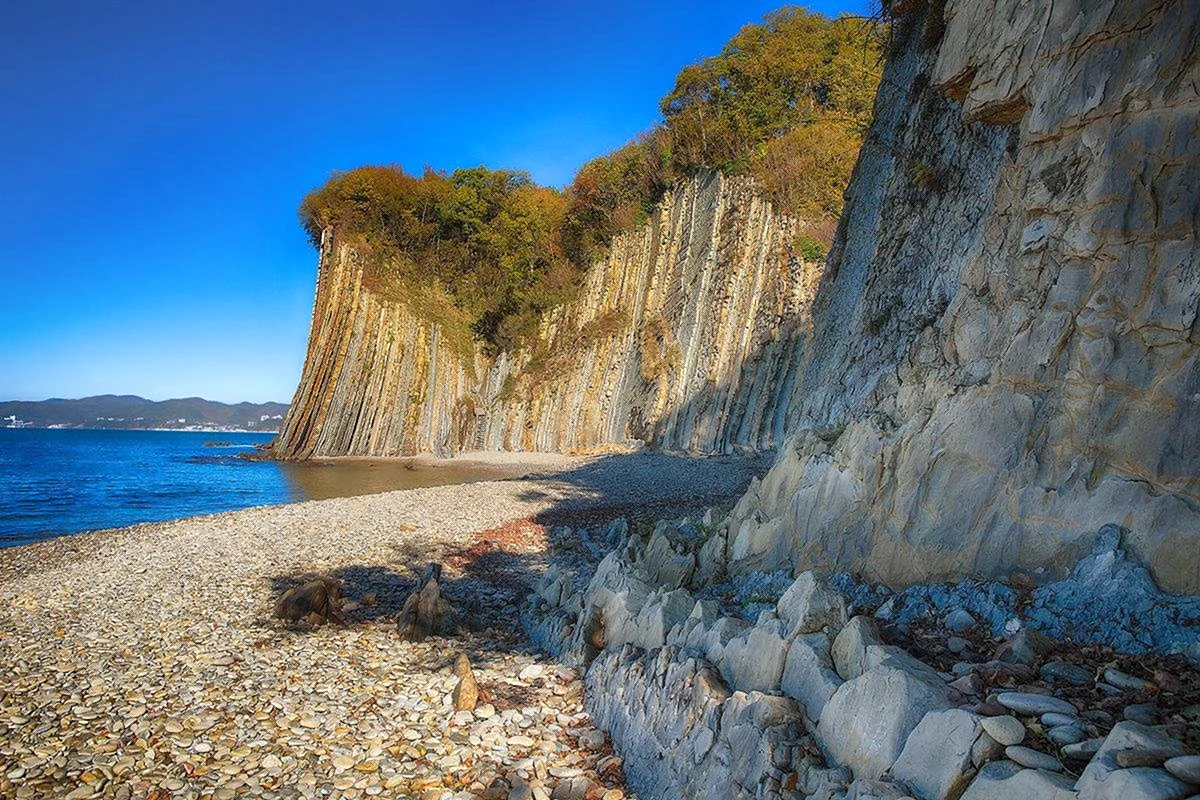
<point>129,412</point>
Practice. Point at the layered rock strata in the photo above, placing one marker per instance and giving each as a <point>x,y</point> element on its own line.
<point>681,337</point>
<point>1005,351</point>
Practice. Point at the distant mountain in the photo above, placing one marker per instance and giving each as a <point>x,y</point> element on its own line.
<point>129,412</point>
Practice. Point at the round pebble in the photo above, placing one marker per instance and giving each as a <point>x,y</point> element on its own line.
<point>1005,730</point>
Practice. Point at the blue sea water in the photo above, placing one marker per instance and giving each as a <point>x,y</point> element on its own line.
<point>54,482</point>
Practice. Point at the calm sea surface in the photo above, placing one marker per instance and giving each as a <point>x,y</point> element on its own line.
<point>64,481</point>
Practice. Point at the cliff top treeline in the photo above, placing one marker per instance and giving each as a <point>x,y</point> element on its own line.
<point>787,101</point>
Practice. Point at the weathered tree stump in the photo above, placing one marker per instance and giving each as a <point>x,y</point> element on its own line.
<point>316,602</point>
<point>426,612</point>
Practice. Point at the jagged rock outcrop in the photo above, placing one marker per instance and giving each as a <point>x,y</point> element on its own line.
<point>682,337</point>
<point>746,688</point>
<point>1005,351</point>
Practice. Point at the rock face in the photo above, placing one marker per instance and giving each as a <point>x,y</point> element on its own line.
<point>1004,352</point>
<point>683,337</point>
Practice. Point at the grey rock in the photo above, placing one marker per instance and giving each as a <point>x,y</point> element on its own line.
<point>936,760</point>
<point>1054,719</point>
<point>1005,780</point>
<point>1138,783</point>
<point>1033,759</point>
<point>959,620</point>
<point>1063,735</point>
<point>1066,673</point>
<point>867,721</point>
<point>1034,705</point>
<point>1123,680</point>
<point>863,789</point>
<point>957,645</point>
<point>850,647</point>
<point>808,674</point>
<point>1144,713</point>
<point>810,604</point>
<point>1082,751</point>
<point>665,566</point>
<point>1024,647</point>
<point>1185,768</point>
<point>1105,776</point>
<point>1005,730</point>
<point>754,661</point>
<point>984,750</point>
<point>723,631</point>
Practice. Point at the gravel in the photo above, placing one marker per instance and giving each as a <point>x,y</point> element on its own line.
<point>144,661</point>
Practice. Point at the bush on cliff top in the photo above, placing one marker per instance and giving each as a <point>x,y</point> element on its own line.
<point>787,101</point>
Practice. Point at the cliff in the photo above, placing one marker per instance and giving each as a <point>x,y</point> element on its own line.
<point>999,358</point>
<point>1004,355</point>
<point>681,337</point>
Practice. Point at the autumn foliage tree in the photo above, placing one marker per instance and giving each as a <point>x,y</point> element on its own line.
<point>786,100</point>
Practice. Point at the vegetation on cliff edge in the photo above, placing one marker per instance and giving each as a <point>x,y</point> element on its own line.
<point>787,101</point>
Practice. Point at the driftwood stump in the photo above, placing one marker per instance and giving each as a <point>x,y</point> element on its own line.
<point>316,602</point>
<point>426,612</point>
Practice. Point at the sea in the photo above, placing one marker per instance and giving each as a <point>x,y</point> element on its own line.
<point>62,481</point>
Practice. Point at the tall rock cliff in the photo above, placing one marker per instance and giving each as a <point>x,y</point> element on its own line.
<point>682,337</point>
<point>1004,354</point>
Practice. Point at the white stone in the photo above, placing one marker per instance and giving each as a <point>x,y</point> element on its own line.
<point>808,674</point>
<point>936,760</point>
<point>809,605</point>
<point>1004,780</point>
<point>1006,730</point>
<point>850,647</point>
<point>867,721</point>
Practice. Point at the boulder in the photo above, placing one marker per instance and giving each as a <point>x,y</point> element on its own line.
<point>810,605</point>
<point>659,615</point>
<point>808,674</point>
<point>1004,780</point>
<point>720,634</point>
<point>877,655</point>
<point>664,566</point>
<point>936,760</point>
<point>850,647</point>
<point>1138,783</point>
<point>754,661</point>
<point>868,720</point>
<point>1105,779</point>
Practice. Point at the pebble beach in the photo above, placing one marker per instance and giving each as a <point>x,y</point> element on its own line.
<point>145,661</point>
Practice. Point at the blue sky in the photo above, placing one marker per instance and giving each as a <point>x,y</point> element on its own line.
<point>152,156</point>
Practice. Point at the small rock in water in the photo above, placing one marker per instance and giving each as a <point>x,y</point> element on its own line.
<point>957,645</point>
<point>1033,759</point>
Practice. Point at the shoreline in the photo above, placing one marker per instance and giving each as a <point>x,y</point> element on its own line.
<point>163,632</point>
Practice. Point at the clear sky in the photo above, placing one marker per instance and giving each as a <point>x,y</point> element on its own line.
<point>153,154</point>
